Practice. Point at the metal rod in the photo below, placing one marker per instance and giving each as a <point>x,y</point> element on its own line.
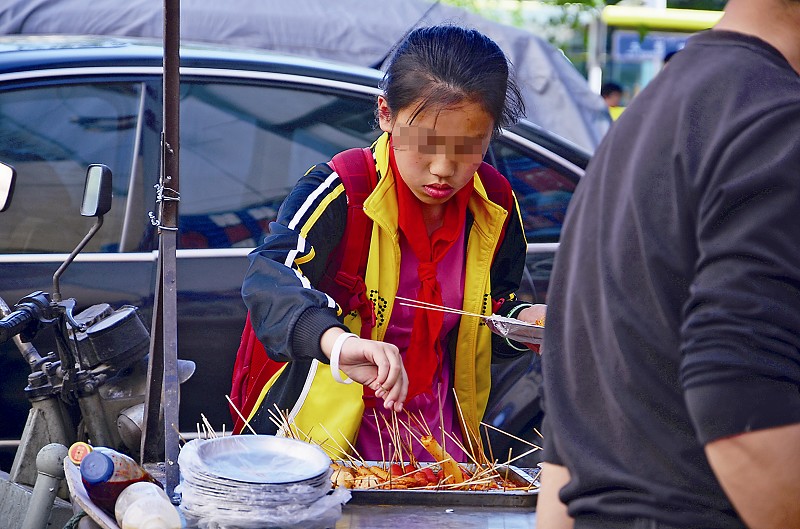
<point>167,257</point>
<point>56,290</point>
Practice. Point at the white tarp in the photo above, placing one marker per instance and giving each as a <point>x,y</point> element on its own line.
<point>361,32</point>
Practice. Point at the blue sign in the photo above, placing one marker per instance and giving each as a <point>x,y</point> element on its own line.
<point>630,46</point>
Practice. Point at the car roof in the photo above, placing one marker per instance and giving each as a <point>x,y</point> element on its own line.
<point>25,53</point>
<point>36,52</point>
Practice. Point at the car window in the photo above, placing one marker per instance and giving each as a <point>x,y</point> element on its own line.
<point>543,189</point>
<point>50,135</point>
<point>243,147</point>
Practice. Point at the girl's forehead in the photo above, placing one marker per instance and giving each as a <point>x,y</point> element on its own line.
<point>463,121</point>
<point>413,134</point>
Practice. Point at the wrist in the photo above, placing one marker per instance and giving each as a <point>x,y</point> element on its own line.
<point>327,339</point>
<point>336,351</point>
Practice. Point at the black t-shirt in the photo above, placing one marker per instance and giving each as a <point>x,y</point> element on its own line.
<point>674,311</point>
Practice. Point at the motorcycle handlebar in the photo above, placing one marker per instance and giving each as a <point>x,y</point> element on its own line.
<point>15,323</point>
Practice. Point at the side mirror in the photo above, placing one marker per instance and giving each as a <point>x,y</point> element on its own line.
<point>8,176</point>
<point>97,191</point>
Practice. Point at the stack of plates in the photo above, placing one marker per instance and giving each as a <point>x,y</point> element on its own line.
<point>238,479</point>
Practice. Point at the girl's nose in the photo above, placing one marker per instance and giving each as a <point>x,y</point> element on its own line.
<point>442,166</point>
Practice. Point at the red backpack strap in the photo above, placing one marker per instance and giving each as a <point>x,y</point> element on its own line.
<point>344,276</point>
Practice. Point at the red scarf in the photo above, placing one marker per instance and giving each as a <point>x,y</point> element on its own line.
<point>424,354</point>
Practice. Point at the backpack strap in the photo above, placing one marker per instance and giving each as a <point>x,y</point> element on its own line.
<point>356,169</point>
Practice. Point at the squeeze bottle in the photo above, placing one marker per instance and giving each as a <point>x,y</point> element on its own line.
<point>151,512</point>
<point>135,492</point>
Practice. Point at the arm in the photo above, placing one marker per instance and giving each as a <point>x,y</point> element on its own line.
<point>759,473</point>
<point>740,347</point>
<point>288,313</point>
<point>294,320</point>
<point>550,512</point>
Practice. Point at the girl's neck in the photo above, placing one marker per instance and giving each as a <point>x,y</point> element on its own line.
<point>433,216</point>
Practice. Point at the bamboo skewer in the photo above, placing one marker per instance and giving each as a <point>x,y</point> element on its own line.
<point>536,447</point>
<point>413,303</point>
<point>532,450</point>
<point>233,406</point>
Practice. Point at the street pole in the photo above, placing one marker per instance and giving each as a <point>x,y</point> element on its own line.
<point>161,404</point>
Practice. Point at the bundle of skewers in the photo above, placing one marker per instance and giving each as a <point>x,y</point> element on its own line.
<point>400,469</point>
<point>511,328</point>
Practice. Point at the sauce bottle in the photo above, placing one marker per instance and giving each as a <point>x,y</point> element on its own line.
<point>106,473</point>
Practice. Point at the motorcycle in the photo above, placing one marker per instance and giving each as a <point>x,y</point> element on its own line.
<point>92,387</point>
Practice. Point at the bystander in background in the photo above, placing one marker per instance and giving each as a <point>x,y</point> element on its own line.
<point>612,95</point>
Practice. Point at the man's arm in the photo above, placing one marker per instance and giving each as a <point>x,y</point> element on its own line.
<point>550,512</point>
<point>760,473</point>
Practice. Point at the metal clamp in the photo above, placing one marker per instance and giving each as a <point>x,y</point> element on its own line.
<point>163,194</point>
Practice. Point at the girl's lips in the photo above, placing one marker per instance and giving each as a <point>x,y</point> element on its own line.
<point>438,191</point>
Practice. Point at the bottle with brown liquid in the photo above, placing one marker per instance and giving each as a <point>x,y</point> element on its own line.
<point>106,473</point>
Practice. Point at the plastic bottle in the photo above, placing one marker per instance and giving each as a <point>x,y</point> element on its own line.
<point>135,492</point>
<point>151,512</point>
<point>106,473</point>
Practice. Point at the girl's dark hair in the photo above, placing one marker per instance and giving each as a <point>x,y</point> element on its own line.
<point>440,66</point>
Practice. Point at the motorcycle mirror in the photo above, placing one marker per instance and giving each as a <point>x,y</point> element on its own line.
<point>8,176</point>
<point>97,191</point>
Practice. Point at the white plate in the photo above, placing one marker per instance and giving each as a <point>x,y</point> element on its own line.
<point>261,459</point>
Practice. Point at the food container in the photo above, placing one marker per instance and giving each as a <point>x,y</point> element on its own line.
<point>524,496</point>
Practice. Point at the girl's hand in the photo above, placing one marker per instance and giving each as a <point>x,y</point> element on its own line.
<point>377,365</point>
<point>536,315</point>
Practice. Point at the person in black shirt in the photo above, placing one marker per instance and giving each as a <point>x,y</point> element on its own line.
<point>671,358</point>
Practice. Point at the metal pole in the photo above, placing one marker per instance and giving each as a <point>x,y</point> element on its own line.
<point>169,236</point>
<point>161,409</point>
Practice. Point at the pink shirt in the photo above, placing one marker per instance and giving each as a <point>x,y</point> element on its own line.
<point>438,405</point>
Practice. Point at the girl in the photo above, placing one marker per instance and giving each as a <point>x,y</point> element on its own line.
<point>436,237</point>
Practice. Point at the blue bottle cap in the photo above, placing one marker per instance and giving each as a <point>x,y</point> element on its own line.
<point>96,467</point>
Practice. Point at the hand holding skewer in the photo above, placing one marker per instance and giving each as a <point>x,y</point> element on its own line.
<point>371,363</point>
<point>534,314</point>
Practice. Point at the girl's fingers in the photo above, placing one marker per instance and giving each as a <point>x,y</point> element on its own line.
<point>398,404</point>
<point>388,378</point>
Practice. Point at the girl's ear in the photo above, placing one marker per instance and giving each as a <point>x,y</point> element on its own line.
<point>384,115</point>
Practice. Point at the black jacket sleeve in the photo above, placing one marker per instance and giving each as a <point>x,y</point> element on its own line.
<point>287,312</point>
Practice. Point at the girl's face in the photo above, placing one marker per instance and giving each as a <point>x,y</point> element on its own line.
<point>439,153</point>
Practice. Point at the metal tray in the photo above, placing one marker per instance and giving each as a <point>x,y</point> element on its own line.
<point>456,498</point>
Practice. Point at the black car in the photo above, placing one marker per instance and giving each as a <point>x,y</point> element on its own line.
<point>251,124</point>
